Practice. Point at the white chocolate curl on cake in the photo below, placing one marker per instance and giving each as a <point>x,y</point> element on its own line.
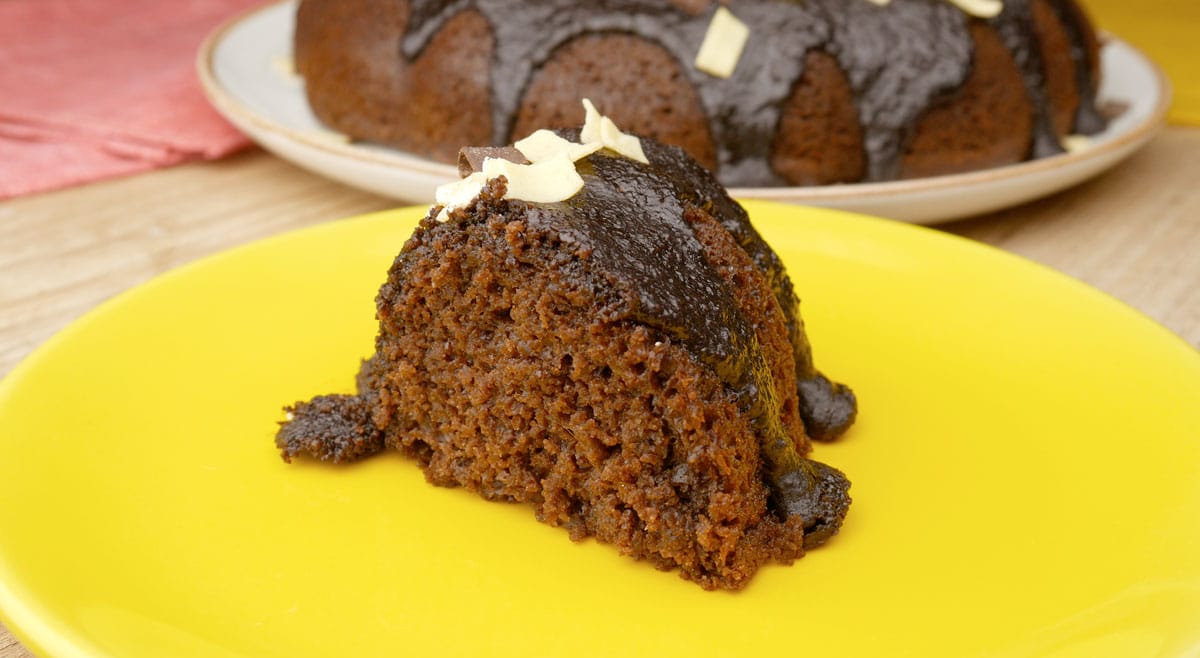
<point>599,128</point>
<point>545,144</point>
<point>552,179</point>
<point>1076,143</point>
<point>723,44</point>
<point>550,175</point>
<point>976,8</point>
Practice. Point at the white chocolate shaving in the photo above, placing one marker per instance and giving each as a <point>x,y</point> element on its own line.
<point>627,145</point>
<point>453,196</point>
<point>550,180</point>
<point>591,123</point>
<point>327,136</point>
<point>284,66</point>
<point>977,8</point>
<point>723,44</point>
<point>980,8</point>
<point>551,174</point>
<point>598,128</point>
<point>1076,143</point>
<point>545,144</point>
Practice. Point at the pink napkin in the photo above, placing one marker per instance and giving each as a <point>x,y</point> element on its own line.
<point>92,89</point>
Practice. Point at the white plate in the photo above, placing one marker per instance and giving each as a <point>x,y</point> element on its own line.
<point>243,67</point>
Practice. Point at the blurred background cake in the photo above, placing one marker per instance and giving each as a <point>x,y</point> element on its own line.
<point>765,92</point>
<point>625,354</point>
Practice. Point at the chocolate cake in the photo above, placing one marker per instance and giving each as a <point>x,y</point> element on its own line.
<point>816,92</point>
<point>629,360</point>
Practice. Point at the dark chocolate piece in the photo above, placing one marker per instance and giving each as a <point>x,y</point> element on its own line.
<point>827,409</point>
<point>470,159</point>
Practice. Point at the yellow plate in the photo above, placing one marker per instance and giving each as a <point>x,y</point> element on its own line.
<point>1026,477</point>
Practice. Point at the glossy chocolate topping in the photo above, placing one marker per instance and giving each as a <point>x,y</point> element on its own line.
<point>827,408</point>
<point>900,60</point>
<point>630,218</point>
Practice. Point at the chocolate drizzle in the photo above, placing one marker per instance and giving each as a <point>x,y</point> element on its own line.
<point>1015,27</point>
<point>827,408</point>
<point>652,255</point>
<point>900,60</point>
<point>1088,118</point>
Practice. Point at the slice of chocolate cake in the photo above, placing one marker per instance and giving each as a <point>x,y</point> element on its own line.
<point>624,353</point>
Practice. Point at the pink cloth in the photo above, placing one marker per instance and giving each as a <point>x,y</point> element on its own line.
<point>92,89</point>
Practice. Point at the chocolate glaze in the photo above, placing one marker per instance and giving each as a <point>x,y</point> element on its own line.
<point>827,408</point>
<point>1015,27</point>
<point>652,256</point>
<point>1088,118</point>
<point>900,60</point>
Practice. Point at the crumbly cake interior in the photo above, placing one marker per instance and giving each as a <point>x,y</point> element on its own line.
<point>528,353</point>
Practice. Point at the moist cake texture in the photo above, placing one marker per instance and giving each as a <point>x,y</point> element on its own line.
<point>630,362</point>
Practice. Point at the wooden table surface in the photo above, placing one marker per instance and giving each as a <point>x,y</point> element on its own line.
<point>1133,232</point>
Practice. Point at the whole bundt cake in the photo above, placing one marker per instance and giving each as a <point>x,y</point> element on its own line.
<point>625,355</point>
<point>764,92</point>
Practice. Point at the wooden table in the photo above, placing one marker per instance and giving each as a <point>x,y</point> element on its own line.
<point>1134,233</point>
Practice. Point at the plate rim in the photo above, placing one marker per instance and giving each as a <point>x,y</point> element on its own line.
<point>1135,134</point>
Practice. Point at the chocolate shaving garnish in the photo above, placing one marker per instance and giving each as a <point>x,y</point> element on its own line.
<point>470,158</point>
